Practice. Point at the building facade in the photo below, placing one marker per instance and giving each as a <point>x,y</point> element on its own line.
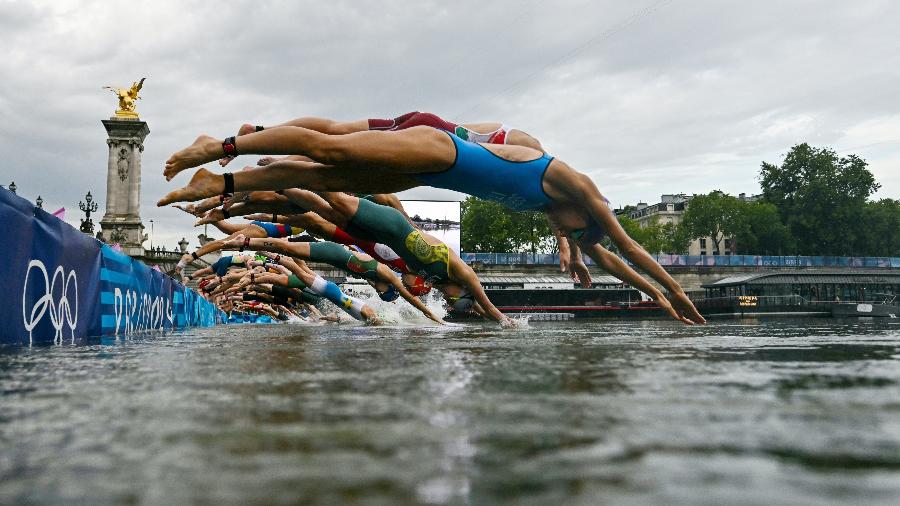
<point>671,209</point>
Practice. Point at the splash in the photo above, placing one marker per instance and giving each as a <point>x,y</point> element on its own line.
<point>519,322</point>
<point>399,312</point>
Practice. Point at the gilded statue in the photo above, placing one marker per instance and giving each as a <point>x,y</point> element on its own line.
<point>127,98</point>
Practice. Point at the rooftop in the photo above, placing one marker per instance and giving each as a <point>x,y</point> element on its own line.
<point>518,280</point>
<point>824,276</point>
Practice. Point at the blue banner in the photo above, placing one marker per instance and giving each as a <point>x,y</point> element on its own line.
<point>61,285</point>
<point>699,260</point>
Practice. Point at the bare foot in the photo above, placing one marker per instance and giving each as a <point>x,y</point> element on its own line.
<point>207,204</point>
<point>266,160</point>
<point>189,208</point>
<point>203,184</point>
<point>245,129</point>
<point>204,149</point>
<point>211,216</point>
<point>183,262</point>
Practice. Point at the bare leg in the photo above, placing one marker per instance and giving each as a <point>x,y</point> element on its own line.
<point>280,246</point>
<point>312,222</point>
<point>343,204</point>
<point>390,200</point>
<point>245,208</point>
<point>229,228</point>
<point>282,175</point>
<point>312,202</point>
<point>419,149</point>
<point>325,126</point>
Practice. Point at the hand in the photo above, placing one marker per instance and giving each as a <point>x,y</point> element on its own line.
<point>666,306</point>
<point>686,309</point>
<point>563,263</point>
<point>266,160</point>
<point>581,274</point>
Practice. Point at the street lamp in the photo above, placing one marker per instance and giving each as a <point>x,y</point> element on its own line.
<point>89,206</point>
<point>12,187</point>
<point>151,235</point>
<point>183,244</point>
<point>39,202</point>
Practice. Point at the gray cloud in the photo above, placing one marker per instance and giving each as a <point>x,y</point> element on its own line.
<point>688,97</point>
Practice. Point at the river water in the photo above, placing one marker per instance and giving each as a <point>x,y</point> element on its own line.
<point>737,412</point>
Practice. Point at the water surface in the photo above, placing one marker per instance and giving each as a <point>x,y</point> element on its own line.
<point>738,411</point>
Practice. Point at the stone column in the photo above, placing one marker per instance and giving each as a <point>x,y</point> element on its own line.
<point>122,221</point>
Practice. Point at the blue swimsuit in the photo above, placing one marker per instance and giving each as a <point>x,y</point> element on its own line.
<point>479,172</point>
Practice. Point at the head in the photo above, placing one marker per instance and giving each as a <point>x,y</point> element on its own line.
<point>386,291</point>
<point>593,233</point>
<point>458,298</point>
<point>389,295</point>
<point>416,284</point>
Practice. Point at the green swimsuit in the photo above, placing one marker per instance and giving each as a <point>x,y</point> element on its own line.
<point>385,224</point>
<point>338,256</point>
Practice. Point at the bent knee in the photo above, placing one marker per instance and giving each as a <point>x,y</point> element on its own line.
<point>330,149</point>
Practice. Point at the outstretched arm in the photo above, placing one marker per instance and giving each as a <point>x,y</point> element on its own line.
<point>229,228</point>
<point>611,263</point>
<point>578,269</point>
<point>245,208</point>
<point>464,275</point>
<point>564,251</point>
<point>387,275</point>
<point>602,214</point>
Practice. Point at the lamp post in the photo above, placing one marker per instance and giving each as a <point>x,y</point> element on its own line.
<point>39,202</point>
<point>151,235</point>
<point>12,187</point>
<point>182,245</point>
<point>89,206</point>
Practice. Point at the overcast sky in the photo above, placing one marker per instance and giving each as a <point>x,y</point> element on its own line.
<point>645,97</point>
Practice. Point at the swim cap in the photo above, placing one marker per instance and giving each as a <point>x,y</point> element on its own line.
<point>419,287</point>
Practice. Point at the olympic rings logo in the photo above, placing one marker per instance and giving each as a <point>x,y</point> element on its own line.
<point>60,309</point>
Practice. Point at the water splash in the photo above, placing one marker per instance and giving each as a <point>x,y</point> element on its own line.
<point>398,312</point>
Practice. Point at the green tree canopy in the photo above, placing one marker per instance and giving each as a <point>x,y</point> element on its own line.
<point>655,237</point>
<point>880,236</point>
<point>715,215</point>
<point>487,226</point>
<point>761,231</point>
<point>821,198</point>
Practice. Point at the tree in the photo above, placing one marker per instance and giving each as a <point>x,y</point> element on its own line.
<point>655,237</point>
<point>820,198</point>
<point>487,226</point>
<point>881,234</point>
<point>715,215</point>
<point>761,231</point>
